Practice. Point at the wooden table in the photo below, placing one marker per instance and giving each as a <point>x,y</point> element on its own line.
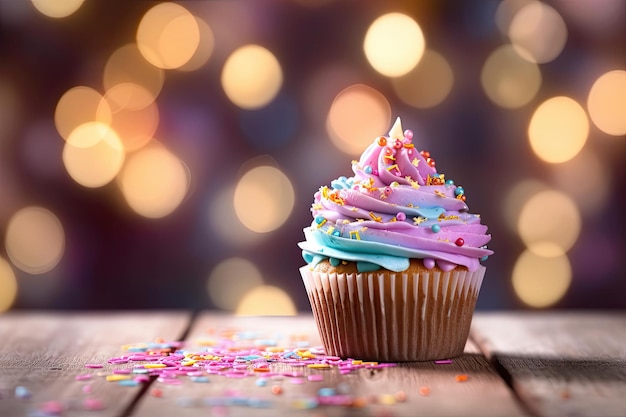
<point>515,364</point>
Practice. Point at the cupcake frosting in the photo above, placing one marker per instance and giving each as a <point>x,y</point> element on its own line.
<point>395,207</point>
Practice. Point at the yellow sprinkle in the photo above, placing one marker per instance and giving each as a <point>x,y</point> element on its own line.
<point>320,224</point>
<point>394,166</point>
<point>387,399</point>
<point>418,220</point>
<point>375,217</point>
<point>188,363</point>
<point>357,362</point>
<point>275,349</point>
<point>439,193</point>
<point>415,162</point>
<point>155,365</point>
<point>354,234</point>
<point>318,366</point>
<point>370,363</point>
<point>116,377</point>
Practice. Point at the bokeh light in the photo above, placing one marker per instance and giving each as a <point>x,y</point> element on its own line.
<point>224,224</point>
<point>607,103</point>
<point>134,125</point>
<point>8,286</point>
<point>154,181</point>
<point>35,240</point>
<point>77,106</point>
<point>549,223</point>
<point>57,9</point>
<point>538,32</point>
<point>585,179</point>
<point>515,198</point>
<point>127,65</point>
<point>394,44</point>
<point>508,80</point>
<point>251,77</point>
<point>230,280</point>
<point>506,11</point>
<point>426,85</point>
<point>204,49</point>
<point>266,300</point>
<point>168,35</point>
<point>93,154</point>
<point>126,96</point>
<point>264,198</point>
<point>539,281</point>
<point>558,129</point>
<point>358,114</point>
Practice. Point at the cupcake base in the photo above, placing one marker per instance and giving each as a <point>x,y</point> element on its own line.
<point>388,316</point>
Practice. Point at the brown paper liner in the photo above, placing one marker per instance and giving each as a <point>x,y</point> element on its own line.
<point>393,316</point>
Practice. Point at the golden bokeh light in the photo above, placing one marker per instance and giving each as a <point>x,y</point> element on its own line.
<point>77,106</point>
<point>509,80</point>
<point>539,281</point>
<point>251,77</point>
<point>538,32</point>
<point>426,85</point>
<point>515,198</point>
<point>204,49</point>
<point>558,129</point>
<point>266,300</point>
<point>607,103</point>
<point>549,223</point>
<point>128,66</point>
<point>93,154</point>
<point>506,11</point>
<point>35,240</point>
<point>134,126</point>
<point>394,44</point>
<point>154,181</point>
<point>168,35</point>
<point>357,115</point>
<point>8,286</point>
<point>230,280</point>
<point>57,9</point>
<point>229,232</point>
<point>127,96</point>
<point>585,178</point>
<point>263,199</point>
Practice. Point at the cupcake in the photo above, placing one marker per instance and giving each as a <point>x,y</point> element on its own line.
<point>393,257</point>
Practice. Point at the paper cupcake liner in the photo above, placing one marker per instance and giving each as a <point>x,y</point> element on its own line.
<point>393,316</point>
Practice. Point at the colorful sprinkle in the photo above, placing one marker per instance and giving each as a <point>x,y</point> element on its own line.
<point>424,391</point>
<point>22,392</point>
<point>435,228</point>
<point>459,242</point>
<point>461,378</point>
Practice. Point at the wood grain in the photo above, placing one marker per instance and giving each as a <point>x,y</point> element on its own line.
<point>559,363</point>
<point>483,394</point>
<point>44,352</point>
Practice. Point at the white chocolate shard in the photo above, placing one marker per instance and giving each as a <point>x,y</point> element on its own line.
<point>396,131</point>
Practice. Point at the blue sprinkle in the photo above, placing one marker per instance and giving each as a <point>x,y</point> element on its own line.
<point>459,191</point>
<point>199,379</point>
<point>261,382</point>
<point>484,258</point>
<point>334,261</point>
<point>326,392</point>
<point>449,182</point>
<point>22,392</point>
<point>128,383</point>
<point>367,169</point>
<point>259,403</point>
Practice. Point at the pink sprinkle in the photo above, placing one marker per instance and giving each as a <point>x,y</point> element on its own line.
<point>315,378</point>
<point>83,377</point>
<point>141,378</point>
<point>297,381</point>
<point>93,365</point>
<point>93,404</point>
<point>87,389</point>
<point>53,408</point>
<point>121,371</point>
<point>443,361</point>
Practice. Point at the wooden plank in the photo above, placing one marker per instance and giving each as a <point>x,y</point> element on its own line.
<point>559,363</point>
<point>372,392</point>
<point>44,352</point>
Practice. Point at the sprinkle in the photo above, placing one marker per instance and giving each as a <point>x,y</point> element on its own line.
<point>435,228</point>
<point>443,361</point>
<point>93,404</point>
<point>440,194</point>
<point>387,399</point>
<point>459,190</point>
<point>424,391</point>
<point>87,389</point>
<point>400,396</point>
<point>315,378</point>
<point>114,378</point>
<point>82,377</point>
<point>199,379</point>
<point>297,381</point>
<point>51,408</point>
<point>418,220</point>
<point>367,169</point>
<point>277,389</point>
<point>461,378</point>
<point>155,365</point>
<point>128,383</point>
<point>415,162</point>
<point>326,392</point>
<point>318,366</point>
<point>305,403</point>
<point>376,218</point>
<point>401,216</point>
<point>459,242</point>
<point>22,392</point>
<point>382,141</point>
<point>354,234</point>
<point>156,392</point>
<point>93,365</point>
<point>261,382</point>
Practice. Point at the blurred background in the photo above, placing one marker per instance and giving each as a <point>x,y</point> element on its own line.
<point>165,154</point>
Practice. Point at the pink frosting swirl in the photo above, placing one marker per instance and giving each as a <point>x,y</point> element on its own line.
<point>395,206</point>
